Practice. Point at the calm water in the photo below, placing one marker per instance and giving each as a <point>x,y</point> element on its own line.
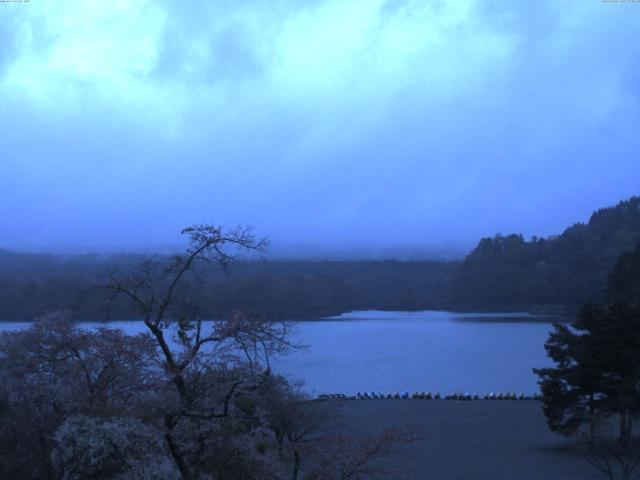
<point>411,351</point>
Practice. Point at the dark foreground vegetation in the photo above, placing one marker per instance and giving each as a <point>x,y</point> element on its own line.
<point>179,402</point>
<point>593,392</point>
<point>502,273</point>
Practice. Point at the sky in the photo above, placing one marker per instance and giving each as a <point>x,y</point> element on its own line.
<point>329,125</point>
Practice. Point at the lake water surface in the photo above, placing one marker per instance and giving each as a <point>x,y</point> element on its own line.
<point>410,351</point>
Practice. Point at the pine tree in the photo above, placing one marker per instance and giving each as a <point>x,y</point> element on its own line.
<point>597,372</point>
<point>572,391</point>
<point>621,333</point>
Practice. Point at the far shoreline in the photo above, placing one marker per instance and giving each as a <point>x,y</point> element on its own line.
<point>465,315</point>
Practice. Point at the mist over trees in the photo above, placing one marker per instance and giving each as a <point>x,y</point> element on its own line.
<point>505,272</point>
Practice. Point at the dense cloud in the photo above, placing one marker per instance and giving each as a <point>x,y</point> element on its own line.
<point>372,123</point>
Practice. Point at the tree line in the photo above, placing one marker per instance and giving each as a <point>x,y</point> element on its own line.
<point>505,272</point>
<point>31,285</point>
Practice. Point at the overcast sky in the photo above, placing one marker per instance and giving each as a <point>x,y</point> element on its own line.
<point>330,123</point>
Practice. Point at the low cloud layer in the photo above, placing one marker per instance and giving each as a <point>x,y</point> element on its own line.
<point>331,123</point>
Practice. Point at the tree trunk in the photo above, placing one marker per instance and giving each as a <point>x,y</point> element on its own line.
<point>296,465</point>
<point>174,450</point>
<point>592,429</point>
<point>177,457</point>
<point>624,427</point>
<point>280,440</point>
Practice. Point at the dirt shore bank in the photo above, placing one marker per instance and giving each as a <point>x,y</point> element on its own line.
<point>496,440</point>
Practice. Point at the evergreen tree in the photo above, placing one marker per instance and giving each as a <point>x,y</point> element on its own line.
<point>573,390</point>
<point>597,373</point>
<point>621,333</point>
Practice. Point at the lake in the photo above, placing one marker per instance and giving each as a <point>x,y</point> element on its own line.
<point>410,351</point>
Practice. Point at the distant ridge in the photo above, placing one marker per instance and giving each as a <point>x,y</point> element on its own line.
<point>557,272</point>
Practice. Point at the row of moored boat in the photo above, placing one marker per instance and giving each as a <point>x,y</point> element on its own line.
<point>431,396</point>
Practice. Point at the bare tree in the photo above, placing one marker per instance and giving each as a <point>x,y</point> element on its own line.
<point>210,366</point>
<point>187,398</point>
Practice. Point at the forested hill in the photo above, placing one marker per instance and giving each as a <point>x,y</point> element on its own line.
<point>31,285</point>
<point>508,272</point>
